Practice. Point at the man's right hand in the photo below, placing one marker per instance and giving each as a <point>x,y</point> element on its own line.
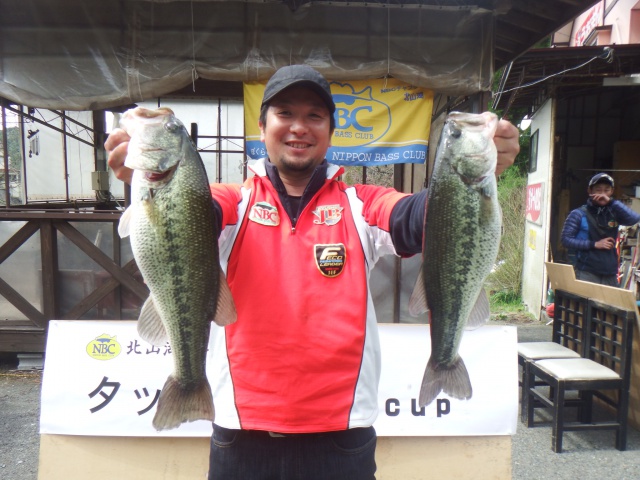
<point>116,146</point>
<point>605,244</point>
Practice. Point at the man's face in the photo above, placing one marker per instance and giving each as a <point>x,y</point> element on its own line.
<point>600,193</point>
<point>297,130</point>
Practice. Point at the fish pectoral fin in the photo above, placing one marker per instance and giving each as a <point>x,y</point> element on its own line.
<point>480,313</point>
<point>418,300</point>
<point>124,225</point>
<point>225,313</point>
<point>150,326</point>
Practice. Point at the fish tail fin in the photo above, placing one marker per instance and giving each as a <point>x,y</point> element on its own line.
<point>178,404</point>
<point>451,379</point>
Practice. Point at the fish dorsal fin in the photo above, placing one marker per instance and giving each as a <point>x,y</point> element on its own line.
<point>124,225</point>
<point>225,313</point>
<point>418,300</point>
<point>150,326</point>
<point>480,313</point>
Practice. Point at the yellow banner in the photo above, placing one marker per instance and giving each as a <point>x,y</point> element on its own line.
<point>378,122</point>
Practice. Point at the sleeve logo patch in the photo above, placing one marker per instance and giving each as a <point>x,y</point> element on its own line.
<point>327,214</point>
<point>330,259</point>
<point>264,214</point>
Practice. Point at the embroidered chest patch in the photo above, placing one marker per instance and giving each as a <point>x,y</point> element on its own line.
<point>327,214</point>
<point>265,214</point>
<point>330,259</point>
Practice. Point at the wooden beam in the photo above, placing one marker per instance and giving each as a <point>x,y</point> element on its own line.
<point>21,337</point>
<point>22,304</point>
<point>98,294</point>
<point>49,253</point>
<point>18,239</point>
<point>42,214</point>
<point>103,260</point>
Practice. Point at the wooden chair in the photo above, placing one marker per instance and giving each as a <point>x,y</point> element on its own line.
<point>605,373</point>
<point>566,339</point>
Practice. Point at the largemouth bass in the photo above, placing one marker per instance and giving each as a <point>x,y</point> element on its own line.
<point>461,239</point>
<point>174,238</point>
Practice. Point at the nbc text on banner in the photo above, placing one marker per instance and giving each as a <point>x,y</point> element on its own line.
<point>378,122</point>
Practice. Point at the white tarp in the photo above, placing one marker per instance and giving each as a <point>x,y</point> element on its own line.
<point>101,379</point>
<point>79,55</point>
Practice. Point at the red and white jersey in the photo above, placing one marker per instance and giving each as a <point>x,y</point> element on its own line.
<point>304,355</point>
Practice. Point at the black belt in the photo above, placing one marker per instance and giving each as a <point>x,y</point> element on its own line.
<point>285,435</point>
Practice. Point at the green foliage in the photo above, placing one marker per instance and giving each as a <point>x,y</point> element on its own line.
<point>382,175</point>
<point>505,282</point>
<point>13,147</point>
<point>508,299</point>
<point>521,163</point>
<point>506,302</point>
<point>544,43</point>
<point>506,279</point>
<point>504,305</point>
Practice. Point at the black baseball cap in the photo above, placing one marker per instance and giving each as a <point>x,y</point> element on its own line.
<point>290,75</point>
<point>601,178</point>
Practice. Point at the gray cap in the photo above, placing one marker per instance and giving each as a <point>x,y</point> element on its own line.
<point>601,178</point>
<point>288,76</point>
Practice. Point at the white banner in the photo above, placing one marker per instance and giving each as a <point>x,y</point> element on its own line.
<point>101,379</point>
<point>491,356</point>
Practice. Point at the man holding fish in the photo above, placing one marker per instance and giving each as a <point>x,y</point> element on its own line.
<point>295,391</point>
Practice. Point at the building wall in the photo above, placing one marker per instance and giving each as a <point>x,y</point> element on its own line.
<point>536,241</point>
<point>620,15</point>
<point>47,174</point>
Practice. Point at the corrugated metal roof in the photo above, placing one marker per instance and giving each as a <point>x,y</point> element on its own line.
<point>543,72</point>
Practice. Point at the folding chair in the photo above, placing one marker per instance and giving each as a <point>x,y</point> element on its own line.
<point>566,339</point>
<point>604,374</point>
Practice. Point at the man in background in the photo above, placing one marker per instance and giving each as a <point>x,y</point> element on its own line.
<point>590,233</point>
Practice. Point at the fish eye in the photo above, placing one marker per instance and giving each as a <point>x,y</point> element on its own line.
<point>172,126</point>
<point>456,132</point>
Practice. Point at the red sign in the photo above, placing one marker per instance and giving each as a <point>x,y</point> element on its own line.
<point>593,20</point>
<point>534,202</point>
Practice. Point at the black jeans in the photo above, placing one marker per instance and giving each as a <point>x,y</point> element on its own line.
<point>258,455</point>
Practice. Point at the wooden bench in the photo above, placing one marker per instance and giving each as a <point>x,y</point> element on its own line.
<point>566,339</point>
<point>603,372</point>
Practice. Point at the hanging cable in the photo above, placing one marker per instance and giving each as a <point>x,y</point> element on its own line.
<point>194,72</point>
<point>606,55</point>
<point>386,77</point>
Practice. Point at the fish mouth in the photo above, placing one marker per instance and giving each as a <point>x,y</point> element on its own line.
<point>156,177</point>
<point>468,180</point>
<point>472,180</point>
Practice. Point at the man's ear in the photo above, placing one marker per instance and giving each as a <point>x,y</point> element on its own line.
<point>261,126</point>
